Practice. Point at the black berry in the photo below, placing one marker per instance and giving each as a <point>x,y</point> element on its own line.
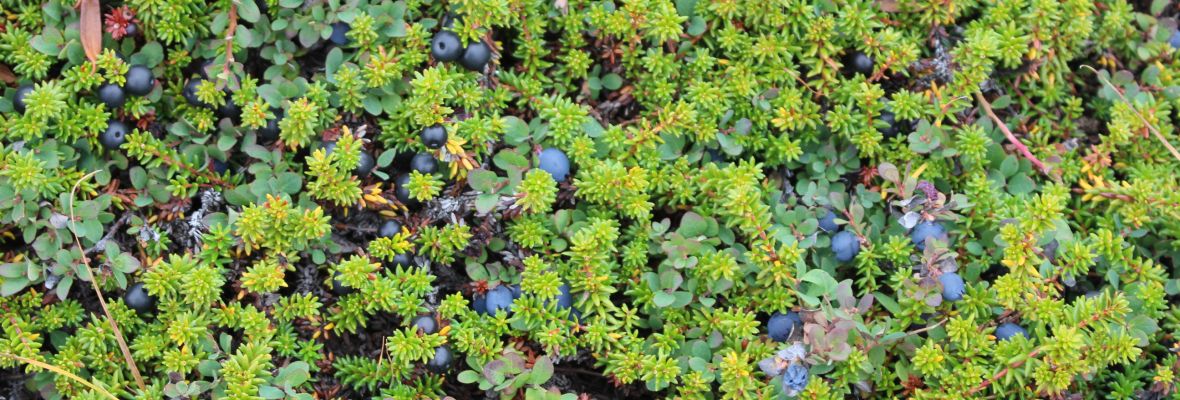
<point>114,136</point>
<point>112,96</point>
<point>138,299</point>
<point>862,63</point>
<point>18,102</point>
<point>424,163</point>
<point>476,56</point>
<point>404,260</point>
<point>139,80</point>
<point>271,130</point>
<point>434,136</point>
<point>190,93</point>
<point>445,46</point>
<point>365,166</point>
<point>230,110</point>
<point>403,192</point>
<point>338,288</point>
<point>130,30</point>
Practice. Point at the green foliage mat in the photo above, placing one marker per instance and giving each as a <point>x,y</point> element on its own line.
<point>589,199</point>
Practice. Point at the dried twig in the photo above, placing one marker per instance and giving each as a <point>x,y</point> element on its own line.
<point>94,284</point>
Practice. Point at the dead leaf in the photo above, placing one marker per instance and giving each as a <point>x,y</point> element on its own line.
<point>90,25</point>
<point>6,74</point>
<point>889,6</point>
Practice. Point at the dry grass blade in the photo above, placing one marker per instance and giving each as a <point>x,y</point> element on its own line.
<point>57,370</point>
<point>90,27</point>
<point>94,284</point>
<point>1150,127</point>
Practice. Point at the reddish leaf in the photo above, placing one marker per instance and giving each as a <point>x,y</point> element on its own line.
<point>6,74</point>
<point>90,26</point>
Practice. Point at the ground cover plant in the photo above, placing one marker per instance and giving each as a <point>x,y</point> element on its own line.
<point>589,199</point>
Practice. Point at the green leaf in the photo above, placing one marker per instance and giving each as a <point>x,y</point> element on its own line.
<point>468,377</point>
<point>692,225</point>
<point>248,10</point>
<point>482,180</point>
<point>822,281</point>
<point>663,299</point>
<point>542,371</point>
<point>612,81</point>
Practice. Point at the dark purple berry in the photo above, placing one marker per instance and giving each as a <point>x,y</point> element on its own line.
<point>18,101</point>
<point>138,299</point>
<point>112,95</point>
<point>139,80</point>
<point>434,136</point>
<point>115,134</point>
<point>424,163</point>
<point>476,56</point>
<point>445,46</point>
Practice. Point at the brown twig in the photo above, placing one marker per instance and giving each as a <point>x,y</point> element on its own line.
<point>987,108</point>
<point>229,37</point>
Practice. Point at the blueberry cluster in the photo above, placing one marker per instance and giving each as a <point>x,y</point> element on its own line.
<point>139,81</point>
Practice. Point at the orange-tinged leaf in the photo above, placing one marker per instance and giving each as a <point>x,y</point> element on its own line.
<point>90,27</point>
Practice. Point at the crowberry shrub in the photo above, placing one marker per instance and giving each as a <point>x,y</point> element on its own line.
<point>625,199</point>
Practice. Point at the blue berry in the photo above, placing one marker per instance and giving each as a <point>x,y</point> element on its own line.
<point>339,33</point>
<point>500,300</point>
<point>845,245</point>
<point>1009,330</point>
<point>441,360</point>
<point>795,378</point>
<point>1174,41</point>
<point>564,298</point>
<point>138,299</point>
<point>924,230</point>
<point>479,303</point>
<point>555,163</point>
<point>426,324</point>
<point>781,327</point>
<point>389,229</point>
<point>952,286</point>
<point>828,222</point>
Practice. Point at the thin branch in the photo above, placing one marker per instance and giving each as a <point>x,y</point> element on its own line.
<point>1150,127</point>
<point>94,284</point>
<point>987,108</point>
